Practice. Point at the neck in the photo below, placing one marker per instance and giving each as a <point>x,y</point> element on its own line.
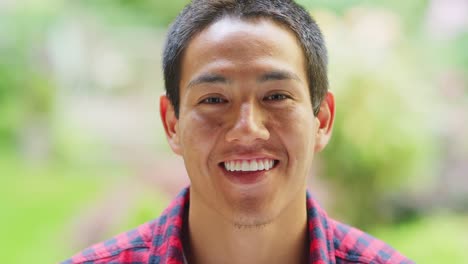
<point>213,239</point>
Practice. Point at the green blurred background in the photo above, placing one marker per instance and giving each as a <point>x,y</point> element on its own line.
<point>83,155</point>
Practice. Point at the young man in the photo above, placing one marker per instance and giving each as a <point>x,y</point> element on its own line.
<point>247,106</point>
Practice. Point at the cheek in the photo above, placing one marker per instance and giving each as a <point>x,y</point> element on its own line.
<point>198,131</point>
<point>296,128</point>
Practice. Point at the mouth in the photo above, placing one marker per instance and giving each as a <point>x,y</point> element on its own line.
<point>249,165</point>
<point>248,172</point>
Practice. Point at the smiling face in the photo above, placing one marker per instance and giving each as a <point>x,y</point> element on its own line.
<point>246,128</point>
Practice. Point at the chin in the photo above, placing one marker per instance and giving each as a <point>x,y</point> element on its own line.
<point>252,214</point>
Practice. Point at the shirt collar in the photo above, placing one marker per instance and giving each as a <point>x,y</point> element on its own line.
<point>320,233</point>
<point>167,244</point>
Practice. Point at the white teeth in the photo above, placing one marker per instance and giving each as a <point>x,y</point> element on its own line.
<point>253,165</point>
<point>260,165</point>
<point>237,167</point>
<point>245,166</point>
<point>249,165</point>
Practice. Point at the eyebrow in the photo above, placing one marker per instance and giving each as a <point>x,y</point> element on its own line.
<point>278,75</point>
<point>208,78</point>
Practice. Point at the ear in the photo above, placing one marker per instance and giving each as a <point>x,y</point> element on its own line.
<point>170,123</point>
<point>325,118</point>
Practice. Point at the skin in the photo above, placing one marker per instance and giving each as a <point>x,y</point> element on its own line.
<point>244,95</point>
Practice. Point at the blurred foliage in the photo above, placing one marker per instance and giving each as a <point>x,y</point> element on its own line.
<point>42,204</point>
<point>35,208</point>
<point>376,147</point>
<point>26,89</point>
<point>135,11</point>
<point>431,240</point>
<point>412,10</point>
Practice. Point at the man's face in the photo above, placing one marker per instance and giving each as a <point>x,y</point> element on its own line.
<point>246,128</point>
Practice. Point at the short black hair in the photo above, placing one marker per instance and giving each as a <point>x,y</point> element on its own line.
<point>199,14</point>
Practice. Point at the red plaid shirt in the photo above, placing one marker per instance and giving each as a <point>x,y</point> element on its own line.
<point>160,241</point>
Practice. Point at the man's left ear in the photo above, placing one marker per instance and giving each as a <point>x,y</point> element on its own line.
<point>325,117</point>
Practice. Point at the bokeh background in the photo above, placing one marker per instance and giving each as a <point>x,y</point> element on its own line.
<point>83,155</point>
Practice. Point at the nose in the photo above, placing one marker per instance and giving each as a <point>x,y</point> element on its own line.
<point>248,125</point>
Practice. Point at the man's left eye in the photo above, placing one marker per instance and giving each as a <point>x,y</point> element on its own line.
<point>276,97</point>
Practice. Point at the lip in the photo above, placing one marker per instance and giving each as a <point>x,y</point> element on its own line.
<point>249,157</point>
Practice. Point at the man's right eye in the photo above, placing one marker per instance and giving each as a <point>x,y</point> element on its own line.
<point>213,100</point>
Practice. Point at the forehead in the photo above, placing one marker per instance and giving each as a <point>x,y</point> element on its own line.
<point>237,42</point>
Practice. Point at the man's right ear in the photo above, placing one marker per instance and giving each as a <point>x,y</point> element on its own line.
<point>170,123</point>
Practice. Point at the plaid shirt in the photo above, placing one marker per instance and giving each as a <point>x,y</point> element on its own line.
<point>160,241</point>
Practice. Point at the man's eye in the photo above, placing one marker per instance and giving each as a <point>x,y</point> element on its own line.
<point>276,97</point>
<point>213,100</point>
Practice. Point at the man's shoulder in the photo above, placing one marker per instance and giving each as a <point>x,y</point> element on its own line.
<point>158,238</point>
<point>352,245</point>
<point>131,246</point>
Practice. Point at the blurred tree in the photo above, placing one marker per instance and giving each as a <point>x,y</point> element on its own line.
<point>26,90</point>
<point>375,149</point>
<point>10,112</point>
<point>159,13</point>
